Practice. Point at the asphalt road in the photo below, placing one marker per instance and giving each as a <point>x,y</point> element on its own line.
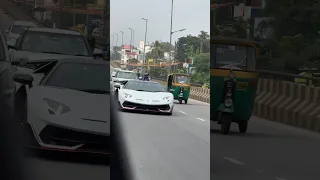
<point>53,166</point>
<point>170,147</point>
<point>269,151</point>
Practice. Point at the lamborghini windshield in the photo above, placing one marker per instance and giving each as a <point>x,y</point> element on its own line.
<point>145,86</point>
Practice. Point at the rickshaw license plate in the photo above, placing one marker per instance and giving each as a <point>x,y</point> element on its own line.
<point>242,86</point>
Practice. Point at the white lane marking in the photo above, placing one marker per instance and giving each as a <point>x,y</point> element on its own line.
<point>200,102</point>
<point>234,161</point>
<point>192,116</point>
<point>201,119</point>
<point>279,178</point>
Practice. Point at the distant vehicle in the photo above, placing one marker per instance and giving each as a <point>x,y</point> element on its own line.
<point>114,72</point>
<point>64,105</point>
<point>49,43</point>
<point>16,28</point>
<point>122,76</point>
<point>147,96</point>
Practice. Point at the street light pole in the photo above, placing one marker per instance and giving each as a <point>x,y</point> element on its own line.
<point>115,48</point>
<point>122,37</point>
<point>112,40</point>
<point>112,48</point>
<point>144,44</point>
<point>170,54</point>
<point>131,39</point>
<point>116,40</point>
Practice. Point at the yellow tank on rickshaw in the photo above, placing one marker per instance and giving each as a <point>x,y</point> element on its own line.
<point>233,81</point>
<point>179,85</point>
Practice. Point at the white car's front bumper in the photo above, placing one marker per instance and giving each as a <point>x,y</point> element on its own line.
<point>127,104</point>
<point>67,133</point>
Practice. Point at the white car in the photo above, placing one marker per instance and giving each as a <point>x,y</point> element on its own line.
<point>123,76</point>
<point>114,72</point>
<point>16,28</point>
<point>37,44</point>
<point>146,96</point>
<point>65,106</point>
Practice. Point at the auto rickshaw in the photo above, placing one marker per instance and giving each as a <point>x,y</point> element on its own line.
<point>179,85</point>
<point>233,81</point>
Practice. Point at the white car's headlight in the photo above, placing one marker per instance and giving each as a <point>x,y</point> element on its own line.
<point>56,108</point>
<point>126,95</point>
<point>167,98</point>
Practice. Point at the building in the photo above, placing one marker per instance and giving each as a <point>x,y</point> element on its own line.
<point>141,49</point>
<point>128,53</point>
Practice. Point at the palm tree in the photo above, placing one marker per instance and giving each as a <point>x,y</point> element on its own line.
<point>157,51</point>
<point>203,36</point>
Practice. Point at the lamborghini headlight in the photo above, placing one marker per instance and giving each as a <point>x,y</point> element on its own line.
<point>126,95</point>
<point>55,108</point>
<point>166,98</point>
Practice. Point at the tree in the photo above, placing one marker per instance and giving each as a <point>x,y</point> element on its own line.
<point>202,65</point>
<point>133,61</point>
<point>166,46</point>
<point>204,35</point>
<point>157,51</point>
<point>236,28</point>
<point>158,72</point>
<point>190,45</point>
<point>295,27</point>
<point>115,55</point>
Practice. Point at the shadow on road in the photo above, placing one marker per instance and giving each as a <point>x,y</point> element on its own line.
<point>83,158</point>
<point>252,134</point>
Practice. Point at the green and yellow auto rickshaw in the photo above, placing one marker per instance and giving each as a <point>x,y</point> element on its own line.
<point>179,85</point>
<point>233,81</point>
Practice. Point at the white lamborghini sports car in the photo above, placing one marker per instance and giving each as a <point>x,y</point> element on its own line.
<point>147,96</point>
<point>65,106</point>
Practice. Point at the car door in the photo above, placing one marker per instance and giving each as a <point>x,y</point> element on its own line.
<point>7,85</point>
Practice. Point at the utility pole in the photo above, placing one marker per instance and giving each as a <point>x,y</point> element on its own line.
<point>115,48</point>
<point>170,54</point>
<point>122,37</point>
<point>131,40</point>
<point>144,44</point>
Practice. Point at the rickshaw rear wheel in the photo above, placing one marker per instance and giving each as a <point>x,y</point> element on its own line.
<point>225,123</point>
<point>243,126</point>
<point>180,101</point>
<point>186,101</point>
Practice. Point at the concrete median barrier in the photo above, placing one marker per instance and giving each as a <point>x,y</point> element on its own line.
<point>200,94</point>
<point>288,103</point>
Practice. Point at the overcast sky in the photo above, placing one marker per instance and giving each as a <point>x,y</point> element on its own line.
<point>193,15</point>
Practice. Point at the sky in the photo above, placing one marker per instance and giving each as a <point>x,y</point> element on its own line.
<point>192,15</point>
